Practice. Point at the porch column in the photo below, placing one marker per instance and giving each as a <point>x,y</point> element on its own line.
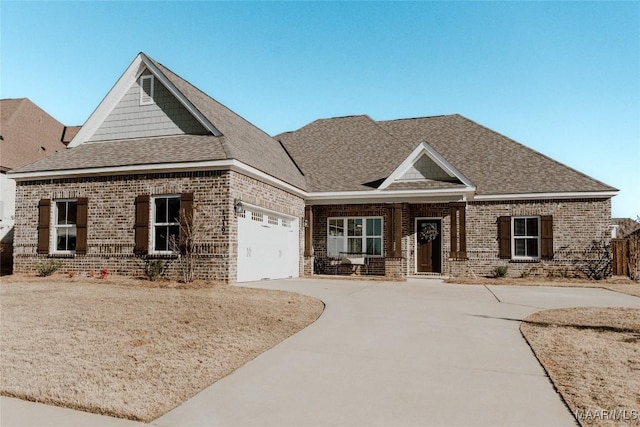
<point>308,231</point>
<point>458,230</point>
<point>393,232</point>
<point>397,230</point>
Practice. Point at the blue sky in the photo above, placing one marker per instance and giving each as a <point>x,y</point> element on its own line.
<point>562,78</point>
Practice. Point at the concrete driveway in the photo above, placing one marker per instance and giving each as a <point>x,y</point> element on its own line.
<point>402,354</point>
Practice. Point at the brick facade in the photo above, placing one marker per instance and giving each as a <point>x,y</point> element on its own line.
<point>576,224</point>
<point>111,219</point>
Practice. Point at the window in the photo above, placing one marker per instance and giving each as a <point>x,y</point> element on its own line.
<point>526,237</point>
<point>65,225</point>
<point>166,222</point>
<point>354,235</point>
<point>146,89</point>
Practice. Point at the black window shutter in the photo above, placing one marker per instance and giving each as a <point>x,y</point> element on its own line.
<point>44,211</point>
<point>546,236</point>
<point>504,236</point>
<point>142,225</point>
<point>81,225</point>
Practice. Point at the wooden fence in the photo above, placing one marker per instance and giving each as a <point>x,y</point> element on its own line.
<point>620,252</point>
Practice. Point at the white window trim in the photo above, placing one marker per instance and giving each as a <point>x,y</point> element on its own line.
<point>53,220</point>
<point>514,237</point>
<point>364,236</point>
<point>153,223</point>
<point>144,98</point>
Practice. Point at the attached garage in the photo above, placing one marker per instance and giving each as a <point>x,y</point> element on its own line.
<point>268,245</point>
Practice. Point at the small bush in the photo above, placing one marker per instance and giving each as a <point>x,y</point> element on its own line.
<point>154,269</point>
<point>524,274</point>
<point>47,268</point>
<point>597,262</point>
<point>500,271</point>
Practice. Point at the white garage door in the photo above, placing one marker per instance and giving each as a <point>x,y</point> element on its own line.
<point>268,245</point>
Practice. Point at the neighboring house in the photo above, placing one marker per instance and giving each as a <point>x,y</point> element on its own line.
<point>427,196</point>
<point>622,227</point>
<point>27,133</point>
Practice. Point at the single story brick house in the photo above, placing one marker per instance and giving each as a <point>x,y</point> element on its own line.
<point>159,160</point>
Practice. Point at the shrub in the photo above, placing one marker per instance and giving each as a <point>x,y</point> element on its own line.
<point>500,271</point>
<point>47,268</point>
<point>154,269</point>
<point>524,274</point>
<point>104,273</point>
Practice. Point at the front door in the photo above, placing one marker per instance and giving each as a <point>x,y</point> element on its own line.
<point>429,245</point>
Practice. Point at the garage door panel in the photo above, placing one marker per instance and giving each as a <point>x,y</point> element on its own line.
<point>266,248</point>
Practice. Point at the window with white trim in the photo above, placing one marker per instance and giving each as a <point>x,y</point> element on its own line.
<point>525,236</point>
<point>166,222</point>
<point>146,89</point>
<point>362,235</point>
<point>65,225</point>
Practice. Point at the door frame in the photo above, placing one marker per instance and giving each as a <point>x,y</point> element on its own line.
<point>415,243</point>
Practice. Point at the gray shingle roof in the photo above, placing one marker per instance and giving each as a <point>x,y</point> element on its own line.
<point>242,140</point>
<point>28,133</point>
<point>345,153</point>
<point>494,163</point>
<point>129,152</point>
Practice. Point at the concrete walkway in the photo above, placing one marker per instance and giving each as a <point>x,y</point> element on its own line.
<point>402,354</point>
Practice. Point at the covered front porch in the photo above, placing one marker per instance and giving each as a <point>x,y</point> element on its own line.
<point>390,240</point>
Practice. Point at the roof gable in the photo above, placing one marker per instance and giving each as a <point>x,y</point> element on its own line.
<point>128,84</point>
<point>231,136</point>
<point>425,164</point>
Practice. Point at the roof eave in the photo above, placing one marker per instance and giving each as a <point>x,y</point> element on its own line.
<point>388,196</point>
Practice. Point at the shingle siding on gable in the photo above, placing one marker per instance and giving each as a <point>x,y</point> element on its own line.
<point>166,116</point>
<point>425,168</point>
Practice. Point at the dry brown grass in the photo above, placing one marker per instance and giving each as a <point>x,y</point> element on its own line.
<point>617,284</point>
<point>592,355</point>
<point>117,348</point>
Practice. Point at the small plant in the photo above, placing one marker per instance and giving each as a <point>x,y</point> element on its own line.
<point>104,273</point>
<point>500,271</point>
<point>91,274</point>
<point>154,269</point>
<point>47,268</point>
<point>524,274</point>
<point>71,273</point>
